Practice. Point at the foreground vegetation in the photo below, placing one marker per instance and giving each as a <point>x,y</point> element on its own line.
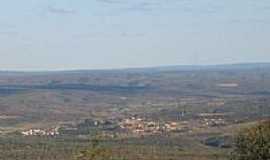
<point>253,143</point>
<point>21,148</point>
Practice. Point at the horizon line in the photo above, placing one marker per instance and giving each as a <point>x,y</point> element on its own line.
<point>131,68</point>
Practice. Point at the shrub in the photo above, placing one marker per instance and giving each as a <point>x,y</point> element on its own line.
<point>95,152</point>
<point>253,143</point>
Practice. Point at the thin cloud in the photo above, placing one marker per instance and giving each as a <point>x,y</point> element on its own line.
<point>134,35</point>
<point>110,1</point>
<point>8,30</point>
<point>8,33</point>
<point>132,5</point>
<point>7,26</point>
<point>141,7</point>
<point>107,35</point>
<point>250,20</point>
<point>61,10</point>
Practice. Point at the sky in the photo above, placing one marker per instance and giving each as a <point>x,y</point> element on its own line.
<point>105,34</point>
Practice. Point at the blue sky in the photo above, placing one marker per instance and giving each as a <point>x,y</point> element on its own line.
<point>98,34</point>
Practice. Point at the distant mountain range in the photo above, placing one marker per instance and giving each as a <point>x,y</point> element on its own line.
<point>237,66</point>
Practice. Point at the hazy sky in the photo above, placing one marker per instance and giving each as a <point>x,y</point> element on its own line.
<point>92,34</point>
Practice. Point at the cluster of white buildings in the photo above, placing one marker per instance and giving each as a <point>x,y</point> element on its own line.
<point>213,119</point>
<point>140,126</point>
<point>214,122</point>
<point>41,132</point>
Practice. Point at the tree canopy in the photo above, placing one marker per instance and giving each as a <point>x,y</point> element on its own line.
<point>253,143</point>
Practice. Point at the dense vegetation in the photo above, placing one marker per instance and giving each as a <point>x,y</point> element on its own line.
<point>22,148</point>
<point>253,143</point>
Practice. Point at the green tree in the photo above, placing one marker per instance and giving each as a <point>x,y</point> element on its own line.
<point>253,143</point>
<point>95,152</point>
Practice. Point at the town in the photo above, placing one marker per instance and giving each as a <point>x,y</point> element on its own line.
<point>134,125</point>
<point>41,132</point>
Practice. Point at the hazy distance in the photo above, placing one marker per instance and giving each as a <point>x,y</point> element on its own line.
<point>98,34</point>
